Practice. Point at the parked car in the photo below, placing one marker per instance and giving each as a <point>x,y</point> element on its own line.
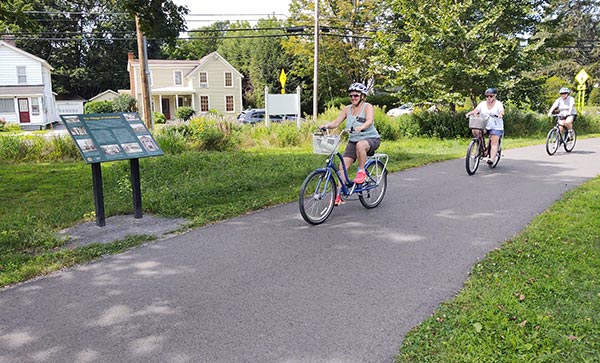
<point>401,110</point>
<point>251,116</point>
<point>254,115</point>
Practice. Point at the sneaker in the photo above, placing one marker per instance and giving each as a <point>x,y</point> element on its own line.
<point>490,161</point>
<point>360,177</point>
<point>338,200</point>
<point>570,135</point>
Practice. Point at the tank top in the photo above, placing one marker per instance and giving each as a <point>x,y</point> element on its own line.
<point>355,121</point>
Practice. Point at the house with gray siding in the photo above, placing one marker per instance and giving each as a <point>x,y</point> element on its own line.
<point>210,83</point>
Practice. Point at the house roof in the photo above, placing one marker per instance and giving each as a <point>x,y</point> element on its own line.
<point>107,92</point>
<point>197,64</point>
<point>207,58</point>
<point>21,51</point>
<point>69,98</point>
<point>21,90</point>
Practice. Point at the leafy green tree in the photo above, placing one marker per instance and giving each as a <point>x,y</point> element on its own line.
<point>124,103</point>
<point>201,41</point>
<point>257,52</point>
<point>346,46</point>
<point>87,41</point>
<point>457,48</point>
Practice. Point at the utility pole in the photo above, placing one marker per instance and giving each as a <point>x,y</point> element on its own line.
<point>144,75</point>
<point>316,64</point>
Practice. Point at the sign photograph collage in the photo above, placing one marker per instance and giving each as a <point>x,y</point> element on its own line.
<point>112,136</point>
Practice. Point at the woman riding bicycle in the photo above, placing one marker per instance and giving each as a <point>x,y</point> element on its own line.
<point>493,110</point>
<point>565,105</point>
<point>364,139</point>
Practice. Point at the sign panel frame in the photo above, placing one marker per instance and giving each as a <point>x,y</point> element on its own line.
<point>111,136</point>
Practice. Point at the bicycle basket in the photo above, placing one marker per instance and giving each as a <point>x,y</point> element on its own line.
<point>325,144</point>
<point>477,122</point>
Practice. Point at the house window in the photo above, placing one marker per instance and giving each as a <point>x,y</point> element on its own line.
<point>35,106</point>
<point>178,78</point>
<point>203,103</point>
<point>203,76</point>
<point>228,79</point>
<point>21,75</point>
<point>7,105</point>
<point>229,103</point>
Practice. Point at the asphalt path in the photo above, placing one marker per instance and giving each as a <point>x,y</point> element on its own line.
<point>267,287</point>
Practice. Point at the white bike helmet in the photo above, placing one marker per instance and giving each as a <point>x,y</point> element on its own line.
<point>359,87</point>
<point>564,90</point>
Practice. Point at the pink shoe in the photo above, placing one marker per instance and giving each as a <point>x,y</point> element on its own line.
<point>360,177</point>
<point>338,200</point>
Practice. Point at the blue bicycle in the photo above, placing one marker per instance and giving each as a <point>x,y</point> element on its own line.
<point>319,189</point>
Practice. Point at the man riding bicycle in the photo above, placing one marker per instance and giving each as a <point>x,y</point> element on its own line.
<point>360,117</point>
<point>493,110</point>
<point>565,105</point>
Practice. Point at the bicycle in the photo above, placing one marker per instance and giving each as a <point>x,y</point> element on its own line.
<point>319,189</point>
<point>477,148</point>
<point>556,137</point>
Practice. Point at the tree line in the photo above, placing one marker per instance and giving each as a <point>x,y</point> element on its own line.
<point>447,54</point>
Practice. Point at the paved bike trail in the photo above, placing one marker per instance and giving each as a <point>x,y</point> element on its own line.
<point>267,287</point>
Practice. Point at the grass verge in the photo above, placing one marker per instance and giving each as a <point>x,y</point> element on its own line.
<point>535,299</point>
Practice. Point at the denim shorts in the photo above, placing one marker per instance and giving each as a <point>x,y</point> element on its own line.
<point>496,132</point>
<point>350,151</point>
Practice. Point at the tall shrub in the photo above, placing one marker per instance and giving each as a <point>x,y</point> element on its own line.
<point>99,107</point>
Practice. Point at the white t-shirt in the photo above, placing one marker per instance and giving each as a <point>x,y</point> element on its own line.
<point>564,105</point>
<point>494,123</point>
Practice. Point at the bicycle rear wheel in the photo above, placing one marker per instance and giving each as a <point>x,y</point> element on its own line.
<point>570,143</point>
<point>552,141</point>
<point>472,158</point>
<point>376,183</point>
<point>317,196</point>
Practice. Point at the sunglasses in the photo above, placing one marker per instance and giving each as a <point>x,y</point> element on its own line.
<point>354,96</point>
<point>489,96</point>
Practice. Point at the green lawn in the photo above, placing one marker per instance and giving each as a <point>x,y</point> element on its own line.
<point>536,299</point>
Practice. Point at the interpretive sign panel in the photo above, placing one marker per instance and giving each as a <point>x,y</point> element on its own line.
<point>111,136</point>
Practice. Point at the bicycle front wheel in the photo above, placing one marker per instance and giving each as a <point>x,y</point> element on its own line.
<point>317,196</point>
<point>571,140</point>
<point>472,158</point>
<point>376,185</point>
<point>552,141</point>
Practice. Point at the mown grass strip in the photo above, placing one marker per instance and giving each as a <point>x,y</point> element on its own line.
<point>535,299</point>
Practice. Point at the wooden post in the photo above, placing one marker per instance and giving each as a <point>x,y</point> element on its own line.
<point>142,55</point>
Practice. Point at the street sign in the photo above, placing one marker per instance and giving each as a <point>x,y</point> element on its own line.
<point>582,76</point>
<point>282,79</point>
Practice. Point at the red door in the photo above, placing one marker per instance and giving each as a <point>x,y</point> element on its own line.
<point>166,110</point>
<point>24,110</point>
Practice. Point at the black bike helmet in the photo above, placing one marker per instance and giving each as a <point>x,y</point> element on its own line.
<point>491,91</point>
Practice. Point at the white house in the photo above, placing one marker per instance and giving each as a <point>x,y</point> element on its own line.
<point>26,96</point>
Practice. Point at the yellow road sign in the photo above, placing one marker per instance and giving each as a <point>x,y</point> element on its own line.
<point>582,76</point>
<point>282,79</point>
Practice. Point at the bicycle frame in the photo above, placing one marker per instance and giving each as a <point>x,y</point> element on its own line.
<point>558,135</point>
<point>350,188</point>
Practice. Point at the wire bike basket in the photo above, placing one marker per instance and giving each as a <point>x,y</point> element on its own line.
<point>477,122</point>
<point>325,144</point>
